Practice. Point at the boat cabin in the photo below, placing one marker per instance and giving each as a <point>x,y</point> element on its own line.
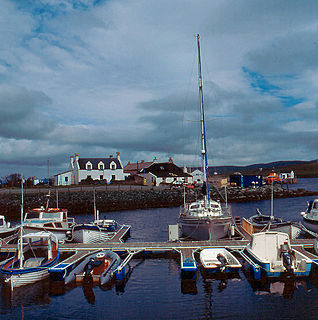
<point>41,214</point>
<point>49,218</point>
<point>197,209</point>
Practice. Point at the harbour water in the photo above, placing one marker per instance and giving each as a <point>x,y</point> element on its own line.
<point>154,288</point>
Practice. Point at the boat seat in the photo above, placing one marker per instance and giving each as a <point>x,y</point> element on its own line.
<point>33,262</point>
<point>277,265</point>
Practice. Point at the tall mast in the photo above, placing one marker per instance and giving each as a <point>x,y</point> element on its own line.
<point>21,228</point>
<point>203,138</point>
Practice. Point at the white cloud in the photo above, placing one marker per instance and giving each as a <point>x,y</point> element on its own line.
<point>121,76</point>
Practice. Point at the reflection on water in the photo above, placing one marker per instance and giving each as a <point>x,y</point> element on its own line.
<point>34,294</point>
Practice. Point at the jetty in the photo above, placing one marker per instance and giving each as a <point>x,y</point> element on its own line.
<point>186,250</point>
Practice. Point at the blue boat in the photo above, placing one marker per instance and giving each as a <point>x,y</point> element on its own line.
<point>271,250</point>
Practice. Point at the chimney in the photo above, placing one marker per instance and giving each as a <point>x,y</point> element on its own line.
<point>76,157</point>
<point>142,161</point>
<point>185,170</point>
<point>118,153</point>
<point>72,161</point>
<point>110,156</point>
<point>154,160</point>
<point>170,160</point>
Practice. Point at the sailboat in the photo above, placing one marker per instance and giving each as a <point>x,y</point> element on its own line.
<point>263,222</point>
<point>204,219</point>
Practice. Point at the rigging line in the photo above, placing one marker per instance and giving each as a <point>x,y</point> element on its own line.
<point>186,100</point>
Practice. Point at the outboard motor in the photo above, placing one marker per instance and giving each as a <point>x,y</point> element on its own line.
<point>287,255</point>
<point>92,263</point>
<point>287,261</point>
<point>223,261</point>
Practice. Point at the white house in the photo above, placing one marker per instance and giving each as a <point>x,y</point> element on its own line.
<point>108,169</point>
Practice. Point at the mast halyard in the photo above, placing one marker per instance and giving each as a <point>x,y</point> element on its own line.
<point>203,137</point>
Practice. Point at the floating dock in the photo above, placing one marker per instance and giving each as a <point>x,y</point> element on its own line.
<point>186,249</point>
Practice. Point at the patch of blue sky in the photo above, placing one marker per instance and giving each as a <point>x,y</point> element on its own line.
<point>52,9</point>
<point>260,83</point>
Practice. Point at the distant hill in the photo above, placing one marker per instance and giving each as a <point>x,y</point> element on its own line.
<point>302,169</point>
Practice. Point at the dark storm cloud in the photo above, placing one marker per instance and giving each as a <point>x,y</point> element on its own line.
<point>22,113</point>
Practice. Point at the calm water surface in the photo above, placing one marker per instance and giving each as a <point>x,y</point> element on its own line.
<point>155,290</point>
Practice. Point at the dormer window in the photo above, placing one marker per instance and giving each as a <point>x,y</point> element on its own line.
<point>113,166</point>
<point>89,166</point>
<point>101,166</point>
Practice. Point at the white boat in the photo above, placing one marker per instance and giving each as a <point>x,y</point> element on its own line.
<point>6,229</point>
<point>271,250</point>
<point>219,259</point>
<point>54,220</point>
<point>94,232</point>
<point>204,219</point>
<point>310,216</point>
<point>100,230</point>
<point>36,253</point>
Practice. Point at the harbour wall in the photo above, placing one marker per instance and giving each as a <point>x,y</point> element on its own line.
<point>81,201</point>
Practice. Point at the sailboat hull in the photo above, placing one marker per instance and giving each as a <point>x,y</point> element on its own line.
<point>205,228</point>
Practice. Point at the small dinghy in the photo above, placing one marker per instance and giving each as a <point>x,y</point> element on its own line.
<point>219,260</point>
<point>271,250</point>
<point>99,269</point>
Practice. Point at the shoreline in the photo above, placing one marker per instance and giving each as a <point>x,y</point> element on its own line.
<point>81,202</point>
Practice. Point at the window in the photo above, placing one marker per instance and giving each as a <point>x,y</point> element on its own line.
<point>66,179</point>
<point>113,166</point>
<point>113,177</point>
<point>101,177</point>
<point>89,166</point>
<point>101,166</point>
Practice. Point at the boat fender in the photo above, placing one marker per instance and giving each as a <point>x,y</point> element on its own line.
<point>68,234</point>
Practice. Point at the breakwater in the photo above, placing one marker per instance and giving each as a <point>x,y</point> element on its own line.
<point>80,201</point>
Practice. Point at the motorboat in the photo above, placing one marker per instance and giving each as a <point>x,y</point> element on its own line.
<point>36,253</point>
<point>204,219</point>
<point>271,250</point>
<point>310,216</point>
<point>219,260</point>
<point>263,222</point>
<point>54,220</point>
<point>98,268</point>
<point>6,229</point>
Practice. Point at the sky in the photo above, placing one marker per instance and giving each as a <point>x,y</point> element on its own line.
<point>99,76</point>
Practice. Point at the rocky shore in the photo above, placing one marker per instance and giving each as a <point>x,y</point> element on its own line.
<point>81,202</point>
